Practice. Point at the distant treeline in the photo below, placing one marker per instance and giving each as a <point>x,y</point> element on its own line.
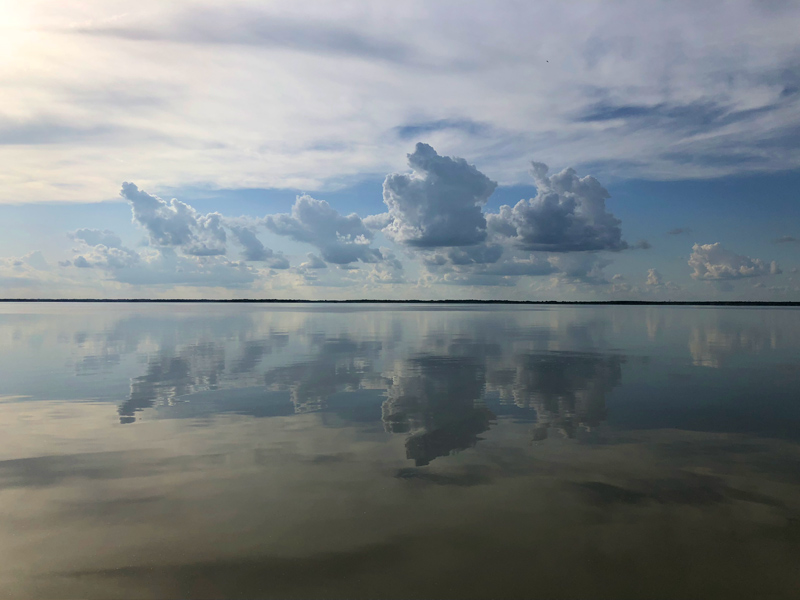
<point>280,301</point>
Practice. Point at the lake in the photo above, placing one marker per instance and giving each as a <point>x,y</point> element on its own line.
<point>399,451</point>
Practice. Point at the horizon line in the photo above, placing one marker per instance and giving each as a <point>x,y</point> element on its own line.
<point>385,301</point>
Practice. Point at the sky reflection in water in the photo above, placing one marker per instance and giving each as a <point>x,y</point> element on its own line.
<point>391,451</point>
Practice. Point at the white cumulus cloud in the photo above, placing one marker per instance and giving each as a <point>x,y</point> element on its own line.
<point>568,214</point>
<point>439,204</point>
<point>712,262</point>
<point>341,239</point>
<point>175,223</point>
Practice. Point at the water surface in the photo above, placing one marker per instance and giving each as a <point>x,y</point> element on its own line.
<point>399,451</point>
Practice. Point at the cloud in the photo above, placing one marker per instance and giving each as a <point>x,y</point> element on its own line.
<point>642,245</point>
<point>653,278</point>
<point>390,270</point>
<point>244,26</point>
<point>712,262</point>
<point>568,214</point>
<point>787,239</point>
<point>439,204</point>
<point>158,265</point>
<point>108,258</point>
<point>254,250</point>
<point>418,129</point>
<point>279,261</point>
<point>340,239</point>
<point>169,269</point>
<point>377,222</point>
<point>580,268</point>
<point>175,223</point>
<point>36,260</point>
<point>774,269</point>
<point>630,98</point>
<point>679,231</point>
<point>313,262</point>
<point>93,237</point>
<point>482,254</point>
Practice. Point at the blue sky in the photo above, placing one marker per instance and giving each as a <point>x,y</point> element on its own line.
<point>543,151</point>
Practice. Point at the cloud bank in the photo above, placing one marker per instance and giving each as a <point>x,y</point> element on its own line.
<point>712,262</point>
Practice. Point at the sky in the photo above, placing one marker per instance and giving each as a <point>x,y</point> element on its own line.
<point>406,150</point>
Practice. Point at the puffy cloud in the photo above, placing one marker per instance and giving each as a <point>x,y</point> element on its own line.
<point>279,261</point>
<point>108,258</point>
<point>93,237</point>
<point>390,270</point>
<point>254,250</point>
<point>655,282</point>
<point>439,204</point>
<point>175,223</point>
<point>482,254</point>
<point>774,269</point>
<point>81,263</point>
<point>314,262</point>
<point>341,239</point>
<point>582,268</point>
<point>377,222</point>
<point>712,262</point>
<point>653,278</point>
<point>160,265</point>
<point>568,214</point>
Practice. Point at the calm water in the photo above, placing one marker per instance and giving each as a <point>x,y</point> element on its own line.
<point>302,451</point>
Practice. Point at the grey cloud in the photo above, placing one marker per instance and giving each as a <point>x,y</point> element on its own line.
<point>679,231</point>
<point>314,262</point>
<point>81,263</point>
<point>242,26</point>
<point>787,239</point>
<point>417,129</point>
<point>439,204</point>
<point>482,254</point>
<point>568,214</point>
<point>642,245</point>
<point>341,240</point>
<point>279,262</point>
<point>254,250</point>
<point>93,237</point>
<point>694,117</point>
<point>175,223</point>
<point>503,272</point>
<point>44,130</point>
<point>390,270</point>
<point>581,268</point>
<point>712,262</point>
